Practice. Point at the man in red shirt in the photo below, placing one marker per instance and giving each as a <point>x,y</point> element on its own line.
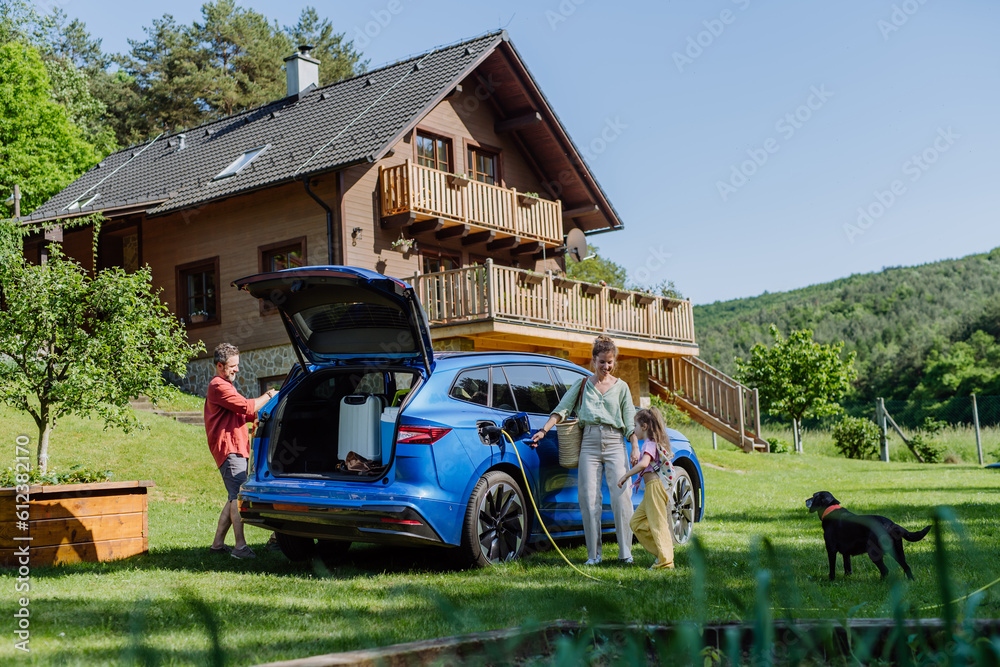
<point>226,416</point>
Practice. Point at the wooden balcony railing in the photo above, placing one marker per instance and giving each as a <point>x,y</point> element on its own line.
<point>429,193</point>
<point>713,392</point>
<point>505,293</point>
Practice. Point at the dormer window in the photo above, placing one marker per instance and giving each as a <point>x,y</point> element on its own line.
<point>242,161</point>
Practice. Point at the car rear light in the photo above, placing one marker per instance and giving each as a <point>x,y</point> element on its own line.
<point>420,435</point>
<point>404,522</point>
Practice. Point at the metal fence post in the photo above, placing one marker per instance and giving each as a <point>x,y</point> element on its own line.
<point>883,433</point>
<point>975,421</point>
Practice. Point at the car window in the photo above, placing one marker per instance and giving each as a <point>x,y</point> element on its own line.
<point>533,388</point>
<point>565,379</point>
<point>472,386</point>
<point>503,398</point>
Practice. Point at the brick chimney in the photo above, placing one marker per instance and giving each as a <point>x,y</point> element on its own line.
<point>301,71</point>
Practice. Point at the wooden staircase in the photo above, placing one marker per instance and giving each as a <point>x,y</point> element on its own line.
<point>711,398</point>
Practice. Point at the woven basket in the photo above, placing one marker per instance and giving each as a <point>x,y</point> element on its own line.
<point>570,435</point>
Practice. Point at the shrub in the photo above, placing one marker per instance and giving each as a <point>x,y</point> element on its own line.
<point>778,446</point>
<point>923,444</point>
<point>673,416</point>
<point>856,438</point>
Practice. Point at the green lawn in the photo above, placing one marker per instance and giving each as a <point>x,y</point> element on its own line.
<point>163,606</point>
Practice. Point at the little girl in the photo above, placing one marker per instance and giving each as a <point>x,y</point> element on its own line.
<point>651,522</point>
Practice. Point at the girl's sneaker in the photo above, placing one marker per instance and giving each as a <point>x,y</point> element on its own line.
<point>593,561</point>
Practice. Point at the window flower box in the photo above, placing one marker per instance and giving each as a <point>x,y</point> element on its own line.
<point>619,294</point>
<point>561,282</point>
<point>527,200</point>
<point>532,278</point>
<point>644,299</point>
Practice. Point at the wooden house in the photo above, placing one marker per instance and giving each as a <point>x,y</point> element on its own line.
<point>449,170</point>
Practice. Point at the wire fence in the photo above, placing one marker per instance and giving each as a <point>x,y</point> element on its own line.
<point>956,411</point>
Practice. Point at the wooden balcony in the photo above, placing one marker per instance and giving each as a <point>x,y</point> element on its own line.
<point>500,307</point>
<point>410,192</point>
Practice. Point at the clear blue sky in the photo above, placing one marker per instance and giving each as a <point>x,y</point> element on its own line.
<point>737,139</point>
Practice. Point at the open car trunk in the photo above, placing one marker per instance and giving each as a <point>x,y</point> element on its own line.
<point>339,423</point>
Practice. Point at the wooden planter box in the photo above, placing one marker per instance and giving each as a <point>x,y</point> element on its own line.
<point>69,523</point>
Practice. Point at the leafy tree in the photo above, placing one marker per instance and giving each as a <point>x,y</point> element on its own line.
<point>798,377</point>
<point>71,87</point>
<point>596,269</point>
<point>40,148</point>
<point>72,343</point>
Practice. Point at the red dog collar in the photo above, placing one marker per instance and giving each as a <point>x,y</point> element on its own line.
<point>830,509</point>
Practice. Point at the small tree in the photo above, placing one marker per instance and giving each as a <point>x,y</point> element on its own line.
<point>72,343</point>
<point>857,438</point>
<point>797,377</point>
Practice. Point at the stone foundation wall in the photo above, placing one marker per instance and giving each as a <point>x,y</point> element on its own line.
<point>254,364</point>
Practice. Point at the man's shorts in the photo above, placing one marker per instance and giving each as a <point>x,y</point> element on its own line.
<point>234,474</point>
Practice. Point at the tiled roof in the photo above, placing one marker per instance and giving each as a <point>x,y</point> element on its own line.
<point>351,121</point>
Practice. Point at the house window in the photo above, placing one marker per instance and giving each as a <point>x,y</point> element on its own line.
<point>483,165</point>
<point>433,151</point>
<point>284,255</point>
<point>197,292</point>
<point>438,260</point>
<point>277,257</point>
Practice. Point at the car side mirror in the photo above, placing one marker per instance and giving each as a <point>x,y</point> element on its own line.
<point>517,426</point>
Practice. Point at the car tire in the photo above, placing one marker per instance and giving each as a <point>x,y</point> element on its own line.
<point>497,521</point>
<point>683,506</point>
<point>332,552</point>
<point>295,548</point>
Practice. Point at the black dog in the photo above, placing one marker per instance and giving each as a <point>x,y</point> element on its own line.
<point>852,535</point>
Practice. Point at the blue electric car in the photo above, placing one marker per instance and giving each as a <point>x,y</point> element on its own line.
<point>373,437</point>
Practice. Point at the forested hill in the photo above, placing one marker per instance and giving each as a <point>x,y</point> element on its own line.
<point>926,331</point>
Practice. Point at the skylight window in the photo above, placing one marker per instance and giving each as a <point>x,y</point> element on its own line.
<point>239,163</point>
<point>77,204</point>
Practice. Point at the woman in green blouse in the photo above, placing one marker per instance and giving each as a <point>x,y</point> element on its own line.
<point>606,414</point>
